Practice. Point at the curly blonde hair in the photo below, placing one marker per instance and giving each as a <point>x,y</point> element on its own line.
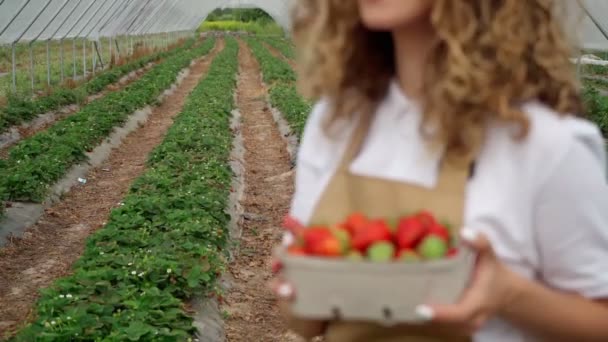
<point>490,55</point>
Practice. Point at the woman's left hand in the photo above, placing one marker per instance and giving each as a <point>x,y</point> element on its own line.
<point>491,289</point>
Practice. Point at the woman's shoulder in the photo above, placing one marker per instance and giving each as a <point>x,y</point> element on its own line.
<point>551,139</point>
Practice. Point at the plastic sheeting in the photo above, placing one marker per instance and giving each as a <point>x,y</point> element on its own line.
<point>27,20</point>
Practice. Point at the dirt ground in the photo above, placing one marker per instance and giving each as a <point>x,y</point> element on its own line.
<point>49,248</point>
<point>250,306</point>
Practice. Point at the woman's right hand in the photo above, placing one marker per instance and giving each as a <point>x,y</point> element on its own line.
<point>286,293</point>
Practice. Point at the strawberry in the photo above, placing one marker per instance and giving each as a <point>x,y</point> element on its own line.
<point>381,251</point>
<point>452,252</point>
<point>343,236</point>
<point>355,222</point>
<point>407,255</point>
<point>330,247</point>
<point>354,255</point>
<point>409,232</point>
<point>433,248</point>
<point>439,230</point>
<point>296,250</point>
<point>426,218</point>
<point>375,231</point>
<point>314,237</point>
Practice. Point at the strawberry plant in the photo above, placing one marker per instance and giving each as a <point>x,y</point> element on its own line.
<point>285,97</point>
<point>165,244</point>
<point>273,69</point>
<point>22,107</point>
<point>34,164</point>
<point>283,93</point>
<point>281,44</point>
<point>597,108</point>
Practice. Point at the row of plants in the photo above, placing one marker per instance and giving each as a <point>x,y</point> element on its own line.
<point>283,45</point>
<point>597,107</point>
<point>35,163</point>
<point>167,241</point>
<point>22,107</point>
<point>284,96</point>
<point>274,69</point>
<point>593,69</point>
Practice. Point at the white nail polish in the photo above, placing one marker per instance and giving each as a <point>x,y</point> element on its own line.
<point>285,291</point>
<point>425,312</point>
<point>468,234</point>
<point>288,239</point>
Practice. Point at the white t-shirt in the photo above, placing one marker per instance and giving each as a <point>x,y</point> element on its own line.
<point>542,202</point>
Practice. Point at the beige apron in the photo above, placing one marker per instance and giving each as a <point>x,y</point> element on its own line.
<point>347,193</point>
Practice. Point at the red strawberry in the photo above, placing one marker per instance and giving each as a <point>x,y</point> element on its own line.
<point>375,231</point>
<point>439,230</point>
<point>452,252</point>
<point>355,222</point>
<point>314,237</point>
<point>330,247</point>
<point>296,250</point>
<point>409,232</point>
<point>426,218</point>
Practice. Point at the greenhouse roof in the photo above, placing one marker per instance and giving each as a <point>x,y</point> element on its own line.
<point>27,20</point>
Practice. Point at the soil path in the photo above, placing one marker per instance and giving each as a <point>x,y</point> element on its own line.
<point>278,54</point>
<point>49,248</point>
<point>42,123</point>
<point>250,307</point>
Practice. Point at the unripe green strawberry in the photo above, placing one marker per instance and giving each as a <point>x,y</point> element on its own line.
<point>354,256</point>
<point>432,248</point>
<point>343,236</point>
<point>381,252</point>
<point>408,255</point>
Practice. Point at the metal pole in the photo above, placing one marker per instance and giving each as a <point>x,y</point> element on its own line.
<point>84,58</point>
<point>74,57</point>
<point>32,67</point>
<point>48,63</point>
<point>98,22</point>
<point>94,58</point>
<point>14,65</point>
<point>61,60</point>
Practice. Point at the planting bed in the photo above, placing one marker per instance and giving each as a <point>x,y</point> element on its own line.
<point>176,161</point>
<point>36,163</point>
<point>23,108</point>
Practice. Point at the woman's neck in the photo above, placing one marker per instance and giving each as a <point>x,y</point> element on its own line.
<point>412,45</point>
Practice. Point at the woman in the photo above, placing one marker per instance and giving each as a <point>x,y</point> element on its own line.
<point>468,107</point>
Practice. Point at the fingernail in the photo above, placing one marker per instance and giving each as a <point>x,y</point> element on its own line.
<point>425,312</point>
<point>468,234</point>
<point>288,239</point>
<point>276,266</point>
<point>285,291</point>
